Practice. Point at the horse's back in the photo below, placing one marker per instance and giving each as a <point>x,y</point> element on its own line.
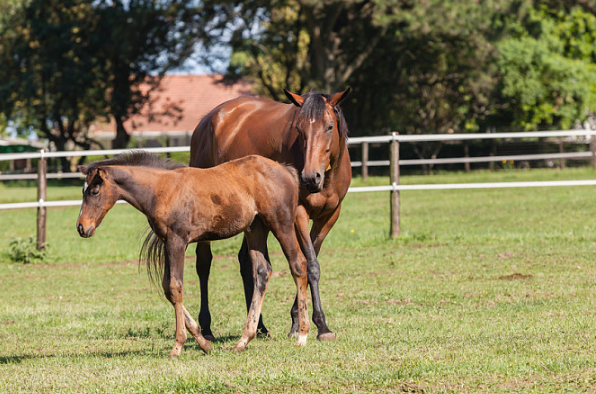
<point>237,128</point>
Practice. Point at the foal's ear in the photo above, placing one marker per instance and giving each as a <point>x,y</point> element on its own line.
<point>294,98</point>
<point>339,97</point>
<point>83,169</point>
<point>100,175</point>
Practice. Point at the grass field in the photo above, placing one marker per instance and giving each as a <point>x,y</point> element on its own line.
<point>487,291</point>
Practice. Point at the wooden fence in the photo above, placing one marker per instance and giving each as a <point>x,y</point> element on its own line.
<point>394,163</point>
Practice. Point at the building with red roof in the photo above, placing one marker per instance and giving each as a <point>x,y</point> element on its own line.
<point>174,110</point>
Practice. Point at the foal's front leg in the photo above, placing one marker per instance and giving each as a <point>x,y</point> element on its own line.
<point>257,243</point>
<point>173,288</point>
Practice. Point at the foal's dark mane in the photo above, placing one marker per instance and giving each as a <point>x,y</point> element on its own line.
<point>314,108</point>
<point>138,159</point>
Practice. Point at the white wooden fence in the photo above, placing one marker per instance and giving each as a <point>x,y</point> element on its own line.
<point>394,162</point>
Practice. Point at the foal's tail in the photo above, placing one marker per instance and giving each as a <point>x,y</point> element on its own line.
<point>153,253</point>
<point>294,173</point>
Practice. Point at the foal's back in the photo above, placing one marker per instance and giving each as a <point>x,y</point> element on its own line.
<point>222,201</point>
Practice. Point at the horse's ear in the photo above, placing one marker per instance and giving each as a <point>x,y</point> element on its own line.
<point>83,169</point>
<point>294,98</point>
<point>100,174</point>
<point>339,97</point>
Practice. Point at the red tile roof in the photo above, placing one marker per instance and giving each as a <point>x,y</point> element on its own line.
<point>179,103</point>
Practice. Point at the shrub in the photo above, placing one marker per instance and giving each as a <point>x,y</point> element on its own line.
<point>25,251</point>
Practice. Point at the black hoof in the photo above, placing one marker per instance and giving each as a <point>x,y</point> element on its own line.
<point>208,336</point>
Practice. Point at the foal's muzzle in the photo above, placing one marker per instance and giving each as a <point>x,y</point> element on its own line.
<point>85,233</point>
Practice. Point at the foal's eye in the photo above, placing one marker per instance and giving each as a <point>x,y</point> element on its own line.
<point>94,192</point>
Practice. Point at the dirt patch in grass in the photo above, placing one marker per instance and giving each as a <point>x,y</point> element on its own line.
<point>515,276</point>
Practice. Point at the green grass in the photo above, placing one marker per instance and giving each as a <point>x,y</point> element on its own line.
<point>487,291</point>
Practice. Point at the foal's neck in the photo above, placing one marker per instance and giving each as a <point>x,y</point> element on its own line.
<point>136,186</point>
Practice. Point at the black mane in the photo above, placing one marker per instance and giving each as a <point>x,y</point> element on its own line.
<point>314,107</point>
<point>137,159</point>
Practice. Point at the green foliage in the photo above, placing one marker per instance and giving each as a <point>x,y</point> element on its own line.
<point>548,68</point>
<point>25,251</point>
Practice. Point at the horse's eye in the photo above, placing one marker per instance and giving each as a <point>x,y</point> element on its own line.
<point>330,127</point>
<point>95,192</point>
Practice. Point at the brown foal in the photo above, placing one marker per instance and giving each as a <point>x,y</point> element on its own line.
<point>253,195</point>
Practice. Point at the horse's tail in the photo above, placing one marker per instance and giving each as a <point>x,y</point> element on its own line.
<point>153,253</point>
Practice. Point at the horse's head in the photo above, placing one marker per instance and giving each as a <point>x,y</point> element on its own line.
<point>98,199</point>
<point>321,128</point>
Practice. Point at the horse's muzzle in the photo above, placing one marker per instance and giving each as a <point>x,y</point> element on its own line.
<point>313,183</point>
<point>85,233</point>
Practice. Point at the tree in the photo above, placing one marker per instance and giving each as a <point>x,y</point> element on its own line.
<point>296,44</point>
<point>415,66</point>
<point>47,79</point>
<point>143,40</point>
<point>419,67</point>
<point>547,67</point>
<point>67,63</point>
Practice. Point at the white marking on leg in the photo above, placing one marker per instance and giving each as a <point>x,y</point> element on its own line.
<point>301,340</point>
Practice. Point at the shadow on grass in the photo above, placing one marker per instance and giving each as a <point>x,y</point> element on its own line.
<point>226,339</point>
<point>6,360</point>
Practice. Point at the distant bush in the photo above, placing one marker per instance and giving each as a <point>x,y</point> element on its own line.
<point>25,251</point>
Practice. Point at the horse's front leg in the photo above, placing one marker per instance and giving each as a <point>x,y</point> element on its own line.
<point>172,284</point>
<point>311,245</point>
<point>290,245</point>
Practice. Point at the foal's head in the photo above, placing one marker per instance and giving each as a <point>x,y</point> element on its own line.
<point>321,125</point>
<point>103,185</point>
<point>98,199</point>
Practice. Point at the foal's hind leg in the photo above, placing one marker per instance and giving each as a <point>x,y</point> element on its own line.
<point>246,271</point>
<point>203,267</point>
<point>256,240</point>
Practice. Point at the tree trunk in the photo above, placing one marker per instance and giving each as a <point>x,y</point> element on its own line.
<point>122,138</point>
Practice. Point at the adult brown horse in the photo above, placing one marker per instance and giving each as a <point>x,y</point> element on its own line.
<point>253,195</point>
<point>311,135</point>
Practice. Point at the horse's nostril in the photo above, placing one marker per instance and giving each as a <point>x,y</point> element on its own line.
<point>318,177</point>
<point>81,229</point>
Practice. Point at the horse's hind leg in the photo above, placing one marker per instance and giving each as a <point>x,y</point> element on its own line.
<point>203,267</point>
<point>256,241</point>
<point>246,270</point>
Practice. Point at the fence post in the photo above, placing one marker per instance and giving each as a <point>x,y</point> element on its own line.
<point>41,198</point>
<point>593,150</point>
<point>364,161</point>
<point>467,155</point>
<point>562,162</point>
<point>394,179</point>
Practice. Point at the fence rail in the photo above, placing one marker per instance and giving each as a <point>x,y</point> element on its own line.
<point>394,162</point>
